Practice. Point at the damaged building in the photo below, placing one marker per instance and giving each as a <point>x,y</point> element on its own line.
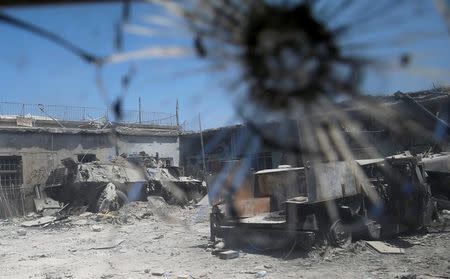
<point>34,139</point>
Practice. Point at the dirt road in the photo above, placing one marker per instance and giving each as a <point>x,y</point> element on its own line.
<point>151,240</point>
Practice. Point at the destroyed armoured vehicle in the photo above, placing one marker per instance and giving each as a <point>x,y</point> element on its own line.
<point>333,200</point>
<point>104,186</point>
<point>168,181</point>
<point>100,186</point>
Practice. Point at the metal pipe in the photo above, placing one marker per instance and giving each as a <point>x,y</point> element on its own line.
<point>203,147</point>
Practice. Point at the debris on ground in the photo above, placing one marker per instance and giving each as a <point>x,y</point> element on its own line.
<point>135,249</point>
<point>96,228</point>
<point>261,273</point>
<point>47,204</point>
<point>39,222</point>
<point>228,254</point>
<point>385,248</point>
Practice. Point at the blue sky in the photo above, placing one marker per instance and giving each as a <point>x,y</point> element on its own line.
<point>33,70</point>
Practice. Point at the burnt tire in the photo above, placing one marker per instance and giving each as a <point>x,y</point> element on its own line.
<point>123,198</point>
<point>339,234</point>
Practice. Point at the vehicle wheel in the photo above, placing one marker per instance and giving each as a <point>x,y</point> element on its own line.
<point>103,204</point>
<point>111,199</point>
<point>123,199</point>
<point>339,235</point>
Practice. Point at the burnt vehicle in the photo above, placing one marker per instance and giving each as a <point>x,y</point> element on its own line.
<point>337,200</point>
<point>104,186</point>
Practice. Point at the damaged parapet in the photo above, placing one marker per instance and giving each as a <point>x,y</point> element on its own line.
<point>104,186</point>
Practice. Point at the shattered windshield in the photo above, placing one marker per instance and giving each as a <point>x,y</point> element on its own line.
<point>224,139</point>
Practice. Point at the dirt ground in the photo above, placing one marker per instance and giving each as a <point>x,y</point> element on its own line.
<point>155,240</point>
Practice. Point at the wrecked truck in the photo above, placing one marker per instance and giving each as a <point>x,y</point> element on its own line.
<point>105,186</point>
<point>333,201</point>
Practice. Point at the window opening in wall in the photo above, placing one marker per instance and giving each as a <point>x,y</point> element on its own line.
<point>11,195</point>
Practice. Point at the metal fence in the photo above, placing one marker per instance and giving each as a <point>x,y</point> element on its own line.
<point>84,114</point>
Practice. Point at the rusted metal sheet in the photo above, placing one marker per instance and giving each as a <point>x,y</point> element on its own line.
<point>252,207</point>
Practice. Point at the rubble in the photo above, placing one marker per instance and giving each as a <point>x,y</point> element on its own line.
<point>39,222</point>
<point>138,254</point>
<point>46,204</point>
<point>260,274</point>
<point>159,272</point>
<point>228,254</point>
<point>385,248</point>
<point>96,228</point>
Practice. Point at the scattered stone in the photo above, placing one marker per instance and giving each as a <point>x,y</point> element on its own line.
<point>50,211</point>
<point>81,222</point>
<point>259,267</point>
<point>96,228</point>
<point>147,270</point>
<point>260,274</point>
<point>228,255</point>
<point>39,222</point>
<point>31,215</point>
<point>160,273</point>
<point>145,215</point>
<point>406,276</point>
<point>85,214</point>
<point>21,232</point>
<point>183,276</point>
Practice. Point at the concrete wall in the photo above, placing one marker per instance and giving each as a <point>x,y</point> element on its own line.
<point>41,152</point>
<point>236,143</point>
<point>166,146</point>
